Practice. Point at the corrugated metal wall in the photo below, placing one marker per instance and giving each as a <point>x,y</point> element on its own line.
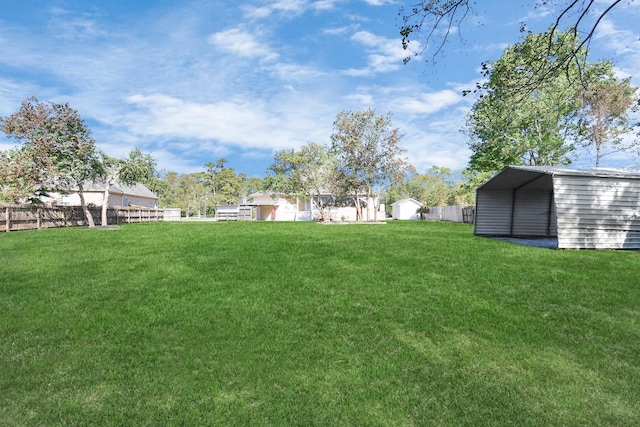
<point>526,210</point>
<point>598,212</point>
<point>533,213</point>
<point>584,209</point>
<point>493,213</point>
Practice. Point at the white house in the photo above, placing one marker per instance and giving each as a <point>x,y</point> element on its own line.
<point>275,207</point>
<point>119,195</point>
<point>272,206</point>
<point>405,209</point>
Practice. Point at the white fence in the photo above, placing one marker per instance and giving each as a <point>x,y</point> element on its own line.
<point>454,213</point>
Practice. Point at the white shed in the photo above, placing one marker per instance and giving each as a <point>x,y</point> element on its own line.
<point>405,209</point>
<point>583,208</point>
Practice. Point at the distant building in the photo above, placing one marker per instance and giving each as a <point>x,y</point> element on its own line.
<point>405,209</point>
<point>119,195</point>
<point>272,206</point>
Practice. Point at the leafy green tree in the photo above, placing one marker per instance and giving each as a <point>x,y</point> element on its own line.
<point>250,185</point>
<point>509,127</point>
<point>438,186</point>
<point>189,192</point>
<point>136,167</point>
<point>301,173</point>
<point>224,183</point>
<point>160,188</point>
<point>57,152</point>
<point>608,101</point>
<point>20,177</point>
<point>366,154</point>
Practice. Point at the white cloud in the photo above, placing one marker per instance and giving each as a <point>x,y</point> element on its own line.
<point>296,72</point>
<point>338,30</point>
<point>290,7</point>
<point>623,47</point>
<point>360,100</point>
<point>379,2</point>
<point>384,54</point>
<point>239,42</point>
<point>324,4</point>
<point>240,122</point>
<point>426,103</point>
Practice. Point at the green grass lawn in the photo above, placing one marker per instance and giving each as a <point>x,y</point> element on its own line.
<point>248,324</point>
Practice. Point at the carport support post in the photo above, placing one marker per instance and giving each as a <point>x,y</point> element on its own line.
<point>513,210</point>
<point>550,211</point>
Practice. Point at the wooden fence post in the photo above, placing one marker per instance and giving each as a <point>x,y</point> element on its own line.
<point>8,218</point>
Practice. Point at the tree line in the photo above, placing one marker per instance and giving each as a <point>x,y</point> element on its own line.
<point>543,102</point>
<point>56,153</point>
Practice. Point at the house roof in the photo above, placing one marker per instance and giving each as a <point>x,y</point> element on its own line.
<point>138,189</point>
<point>515,176</point>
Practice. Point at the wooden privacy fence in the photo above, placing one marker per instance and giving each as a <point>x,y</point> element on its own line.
<point>19,217</point>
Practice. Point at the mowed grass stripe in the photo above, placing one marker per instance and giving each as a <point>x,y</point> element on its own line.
<point>408,323</point>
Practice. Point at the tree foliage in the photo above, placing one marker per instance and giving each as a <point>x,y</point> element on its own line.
<point>438,186</point>
<point>509,127</point>
<point>305,172</point>
<point>607,102</point>
<point>366,154</point>
<point>129,170</point>
<point>197,194</point>
<point>546,124</point>
<point>56,152</point>
<point>225,185</point>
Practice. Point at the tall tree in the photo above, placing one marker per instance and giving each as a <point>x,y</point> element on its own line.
<point>136,167</point>
<point>430,23</point>
<point>509,127</point>
<point>250,185</point>
<point>436,187</point>
<point>608,102</point>
<point>301,173</point>
<point>57,152</point>
<point>223,181</point>
<point>366,154</point>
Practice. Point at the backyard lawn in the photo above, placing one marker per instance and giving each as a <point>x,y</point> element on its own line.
<point>250,324</point>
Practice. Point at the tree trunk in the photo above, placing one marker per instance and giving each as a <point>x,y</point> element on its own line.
<point>323,215</point>
<point>105,200</point>
<point>84,207</point>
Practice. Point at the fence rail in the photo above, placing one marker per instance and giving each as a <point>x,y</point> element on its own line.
<point>20,217</point>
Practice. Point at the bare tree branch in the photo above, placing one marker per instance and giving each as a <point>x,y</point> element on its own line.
<point>439,17</point>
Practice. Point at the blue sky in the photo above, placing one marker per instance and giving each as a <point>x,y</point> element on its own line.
<point>194,81</point>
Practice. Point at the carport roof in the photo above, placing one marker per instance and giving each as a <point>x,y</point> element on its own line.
<point>515,176</point>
